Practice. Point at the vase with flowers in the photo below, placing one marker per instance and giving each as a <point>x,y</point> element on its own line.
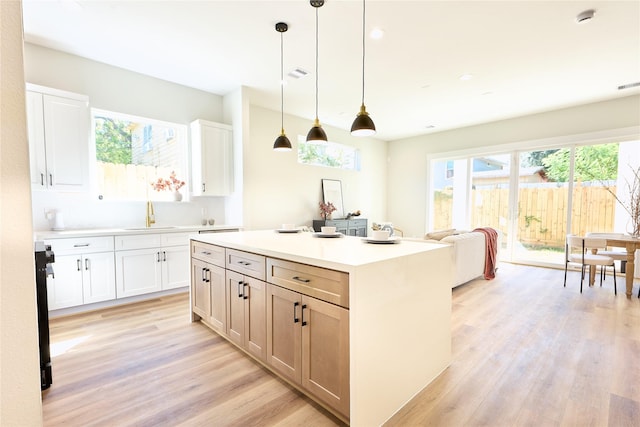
<point>326,209</point>
<point>631,203</point>
<point>172,184</point>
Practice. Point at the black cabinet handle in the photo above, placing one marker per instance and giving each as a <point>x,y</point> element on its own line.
<point>208,275</point>
<point>203,187</point>
<point>244,294</point>
<point>204,276</point>
<point>295,318</point>
<point>206,253</point>
<point>157,256</point>
<point>240,289</point>
<point>81,245</point>
<point>245,263</point>
<point>164,256</point>
<point>300,279</point>
<point>42,179</point>
<point>78,264</point>
<point>303,307</point>
<point>86,264</point>
<point>50,179</point>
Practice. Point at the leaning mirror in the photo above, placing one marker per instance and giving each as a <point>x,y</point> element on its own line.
<point>332,192</point>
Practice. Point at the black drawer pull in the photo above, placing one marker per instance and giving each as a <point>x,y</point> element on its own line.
<point>303,307</point>
<point>81,245</point>
<point>240,289</point>
<point>245,263</point>
<point>295,318</point>
<point>300,279</point>
<point>206,253</point>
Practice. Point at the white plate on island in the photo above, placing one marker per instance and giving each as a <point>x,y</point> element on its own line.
<point>321,234</point>
<point>288,230</point>
<point>389,241</point>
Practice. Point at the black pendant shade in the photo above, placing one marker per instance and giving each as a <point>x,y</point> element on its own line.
<point>282,143</point>
<point>363,125</point>
<point>316,133</point>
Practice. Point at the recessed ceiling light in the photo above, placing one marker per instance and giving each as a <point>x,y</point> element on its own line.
<point>585,16</point>
<point>466,77</point>
<point>429,126</point>
<point>376,33</point>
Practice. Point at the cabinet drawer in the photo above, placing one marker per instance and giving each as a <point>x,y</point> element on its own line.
<point>246,263</point>
<point>357,223</point>
<point>84,245</point>
<point>174,239</point>
<point>327,285</point>
<point>208,253</point>
<point>137,241</point>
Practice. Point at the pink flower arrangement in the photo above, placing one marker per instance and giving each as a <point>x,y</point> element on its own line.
<point>171,184</point>
<point>326,209</point>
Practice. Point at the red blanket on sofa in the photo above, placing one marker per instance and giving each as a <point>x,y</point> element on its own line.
<point>491,251</point>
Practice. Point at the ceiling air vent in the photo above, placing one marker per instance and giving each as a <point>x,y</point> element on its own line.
<point>297,73</point>
<point>629,85</point>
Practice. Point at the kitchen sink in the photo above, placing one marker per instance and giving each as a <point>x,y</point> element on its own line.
<point>150,228</point>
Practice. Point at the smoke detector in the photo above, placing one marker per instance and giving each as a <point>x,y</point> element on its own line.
<point>585,16</point>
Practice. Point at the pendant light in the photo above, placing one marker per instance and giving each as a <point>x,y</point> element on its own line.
<point>363,125</point>
<point>282,143</point>
<point>316,133</point>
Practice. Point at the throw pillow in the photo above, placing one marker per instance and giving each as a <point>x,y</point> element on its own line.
<point>440,234</point>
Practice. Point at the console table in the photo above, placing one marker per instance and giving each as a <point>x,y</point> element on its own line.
<point>348,227</point>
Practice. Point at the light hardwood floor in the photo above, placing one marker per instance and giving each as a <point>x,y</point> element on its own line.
<point>526,351</point>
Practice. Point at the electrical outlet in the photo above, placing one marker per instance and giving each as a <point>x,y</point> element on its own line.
<point>48,213</point>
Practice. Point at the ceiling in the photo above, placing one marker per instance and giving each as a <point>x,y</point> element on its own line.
<point>525,56</point>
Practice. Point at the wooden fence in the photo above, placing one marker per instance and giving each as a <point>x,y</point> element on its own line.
<point>132,182</point>
<point>542,212</point>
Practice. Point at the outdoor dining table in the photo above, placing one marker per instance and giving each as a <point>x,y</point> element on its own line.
<point>631,244</point>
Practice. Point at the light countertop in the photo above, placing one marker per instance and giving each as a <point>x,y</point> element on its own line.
<point>86,232</point>
<point>342,253</point>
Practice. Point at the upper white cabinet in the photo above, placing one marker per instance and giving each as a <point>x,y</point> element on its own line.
<point>212,158</point>
<point>58,130</point>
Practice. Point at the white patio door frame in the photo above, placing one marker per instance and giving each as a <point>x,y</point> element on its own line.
<point>570,141</point>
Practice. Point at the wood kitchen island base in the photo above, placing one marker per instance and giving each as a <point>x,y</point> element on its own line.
<point>360,328</point>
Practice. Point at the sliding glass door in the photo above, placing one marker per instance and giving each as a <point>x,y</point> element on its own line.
<point>535,198</point>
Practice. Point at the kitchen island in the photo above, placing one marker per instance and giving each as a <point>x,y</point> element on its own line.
<point>389,306</point>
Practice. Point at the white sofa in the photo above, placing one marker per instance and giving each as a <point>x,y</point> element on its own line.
<point>469,251</point>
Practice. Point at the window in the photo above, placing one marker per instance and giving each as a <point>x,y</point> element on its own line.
<point>329,154</point>
<point>132,153</point>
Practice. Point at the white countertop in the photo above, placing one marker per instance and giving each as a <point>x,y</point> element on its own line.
<point>86,232</point>
<point>343,253</point>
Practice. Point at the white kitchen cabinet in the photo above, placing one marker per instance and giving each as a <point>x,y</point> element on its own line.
<point>58,132</point>
<point>212,158</point>
<point>84,272</point>
<point>148,263</point>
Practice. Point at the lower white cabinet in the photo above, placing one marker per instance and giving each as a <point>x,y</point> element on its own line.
<point>81,276</point>
<point>151,263</point>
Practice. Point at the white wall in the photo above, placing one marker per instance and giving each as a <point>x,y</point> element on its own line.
<point>281,190</point>
<point>115,89</point>
<point>20,402</point>
<point>408,158</point>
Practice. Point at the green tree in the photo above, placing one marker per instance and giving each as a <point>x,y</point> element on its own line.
<point>592,163</point>
<point>534,158</point>
<point>113,140</point>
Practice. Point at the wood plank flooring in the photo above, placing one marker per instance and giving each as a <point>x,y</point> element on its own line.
<point>526,351</point>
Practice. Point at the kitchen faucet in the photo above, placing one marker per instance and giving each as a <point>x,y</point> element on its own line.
<point>151,218</point>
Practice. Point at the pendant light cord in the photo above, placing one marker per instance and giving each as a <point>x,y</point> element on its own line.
<point>363,38</point>
<point>281,83</point>
<point>317,63</point>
